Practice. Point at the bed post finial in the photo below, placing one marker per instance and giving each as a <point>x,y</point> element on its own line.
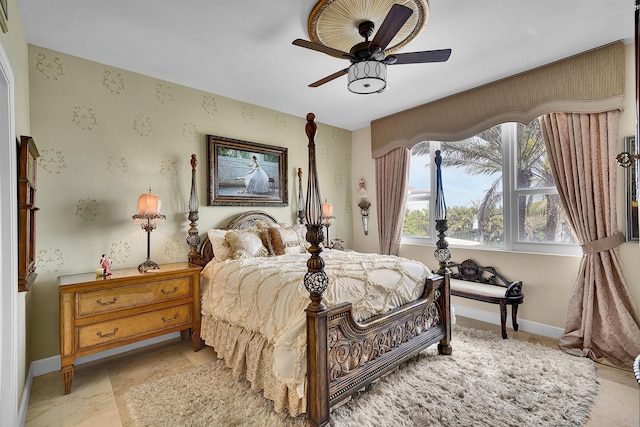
<point>193,239</point>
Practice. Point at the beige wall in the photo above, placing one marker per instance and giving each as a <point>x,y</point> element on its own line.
<point>106,135</point>
<point>15,46</point>
<point>548,279</point>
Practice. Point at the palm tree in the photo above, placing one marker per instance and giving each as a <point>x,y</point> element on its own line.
<point>482,155</point>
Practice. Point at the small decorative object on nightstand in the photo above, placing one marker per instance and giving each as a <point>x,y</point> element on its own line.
<point>105,266</point>
<point>148,216</point>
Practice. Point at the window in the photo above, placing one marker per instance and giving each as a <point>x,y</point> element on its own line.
<point>527,216</point>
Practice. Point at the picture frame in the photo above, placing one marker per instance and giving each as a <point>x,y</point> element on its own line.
<point>4,16</point>
<point>631,190</point>
<point>242,173</point>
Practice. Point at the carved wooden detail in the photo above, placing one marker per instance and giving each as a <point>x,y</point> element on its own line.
<point>359,353</point>
<point>346,354</point>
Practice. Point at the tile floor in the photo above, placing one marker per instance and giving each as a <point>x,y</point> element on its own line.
<point>96,398</point>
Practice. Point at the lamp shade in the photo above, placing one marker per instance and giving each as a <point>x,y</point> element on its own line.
<point>327,209</point>
<point>148,205</point>
<point>367,77</point>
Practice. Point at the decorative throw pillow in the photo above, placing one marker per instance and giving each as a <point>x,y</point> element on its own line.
<point>221,248</point>
<point>286,240</point>
<point>246,243</point>
<point>263,227</point>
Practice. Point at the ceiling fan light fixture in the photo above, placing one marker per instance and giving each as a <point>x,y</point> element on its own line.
<point>367,77</point>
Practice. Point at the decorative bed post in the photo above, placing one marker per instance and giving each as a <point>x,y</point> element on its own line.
<point>316,282</point>
<point>442,253</point>
<point>193,239</point>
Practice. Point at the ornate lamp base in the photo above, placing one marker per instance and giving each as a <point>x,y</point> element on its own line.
<point>148,265</point>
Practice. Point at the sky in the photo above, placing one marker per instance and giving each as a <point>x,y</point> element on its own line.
<point>459,189</point>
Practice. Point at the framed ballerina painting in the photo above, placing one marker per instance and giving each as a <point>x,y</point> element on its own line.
<point>241,173</point>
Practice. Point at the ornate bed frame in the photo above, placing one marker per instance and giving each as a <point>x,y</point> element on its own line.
<point>343,355</point>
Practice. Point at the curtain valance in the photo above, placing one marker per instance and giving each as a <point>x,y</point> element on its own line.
<point>587,83</point>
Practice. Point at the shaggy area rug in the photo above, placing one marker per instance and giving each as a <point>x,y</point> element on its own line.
<point>487,381</point>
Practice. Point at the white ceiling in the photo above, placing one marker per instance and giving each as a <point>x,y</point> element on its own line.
<point>242,49</point>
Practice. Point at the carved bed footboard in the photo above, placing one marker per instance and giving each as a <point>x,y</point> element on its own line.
<point>344,355</point>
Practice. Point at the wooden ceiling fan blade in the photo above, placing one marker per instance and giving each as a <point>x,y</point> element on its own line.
<point>441,55</point>
<point>329,78</point>
<point>321,48</point>
<point>392,23</point>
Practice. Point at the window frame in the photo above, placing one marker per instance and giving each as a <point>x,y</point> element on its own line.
<point>509,199</point>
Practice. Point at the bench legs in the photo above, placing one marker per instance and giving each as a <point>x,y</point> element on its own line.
<point>514,316</point>
<point>503,318</point>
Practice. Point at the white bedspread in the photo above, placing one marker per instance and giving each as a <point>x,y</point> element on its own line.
<point>267,295</point>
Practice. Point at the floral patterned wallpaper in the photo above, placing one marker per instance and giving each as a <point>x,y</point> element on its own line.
<point>106,135</point>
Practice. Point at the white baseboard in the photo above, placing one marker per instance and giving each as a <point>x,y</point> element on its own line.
<point>52,364</point>
<point>494,319</point>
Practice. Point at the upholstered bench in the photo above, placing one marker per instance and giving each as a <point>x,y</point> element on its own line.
<point>469,280</point>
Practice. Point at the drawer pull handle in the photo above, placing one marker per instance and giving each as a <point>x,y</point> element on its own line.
<point>101,335</point>
<point>169,292</point>
<point>165,320</point>
<point>108,302</point>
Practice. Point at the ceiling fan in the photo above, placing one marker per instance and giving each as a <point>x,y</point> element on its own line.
<point>368,70</point>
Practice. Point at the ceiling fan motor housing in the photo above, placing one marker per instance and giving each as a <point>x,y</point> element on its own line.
<point>363,50</point>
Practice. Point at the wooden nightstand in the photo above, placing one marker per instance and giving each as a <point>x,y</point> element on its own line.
<point>99,313</point>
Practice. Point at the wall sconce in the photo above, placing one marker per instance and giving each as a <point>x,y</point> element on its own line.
<point>327,219</point>
<point>364,204</point>
<point>148,216</point>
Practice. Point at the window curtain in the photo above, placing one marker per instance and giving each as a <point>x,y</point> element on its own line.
<point>392,177</point>
<point>602,323</point>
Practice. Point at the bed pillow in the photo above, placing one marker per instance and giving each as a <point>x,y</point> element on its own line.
<point>287,240</point>
<point>263,227</point>
<point>246,243</point>
<point>221,248</point>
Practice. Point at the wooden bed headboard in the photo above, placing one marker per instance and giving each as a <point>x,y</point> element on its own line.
<point>244,220</point>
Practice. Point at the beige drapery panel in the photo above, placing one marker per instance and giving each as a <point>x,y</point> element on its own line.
<point>392,176</point>
<point>601,321</point>
<point>587,83</point>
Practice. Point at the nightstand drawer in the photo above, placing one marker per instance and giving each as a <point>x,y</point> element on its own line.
<point>118,298</point>
<point>130,327</point>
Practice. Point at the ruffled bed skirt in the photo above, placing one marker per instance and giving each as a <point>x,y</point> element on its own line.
<point>250,355</point>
